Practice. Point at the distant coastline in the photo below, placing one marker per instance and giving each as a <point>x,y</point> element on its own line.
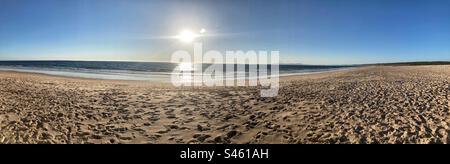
<point>414,63</point>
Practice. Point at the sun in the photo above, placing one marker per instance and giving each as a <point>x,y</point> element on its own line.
<point>186,36</point>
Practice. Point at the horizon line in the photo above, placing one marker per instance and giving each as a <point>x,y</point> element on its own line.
<point>139,61</point>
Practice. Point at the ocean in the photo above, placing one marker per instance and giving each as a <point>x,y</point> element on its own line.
<point>147,71</point>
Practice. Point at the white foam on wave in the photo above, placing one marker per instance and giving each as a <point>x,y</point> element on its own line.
<point>135,75</point>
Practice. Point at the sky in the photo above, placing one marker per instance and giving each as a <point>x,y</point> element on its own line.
<point>303,31</point>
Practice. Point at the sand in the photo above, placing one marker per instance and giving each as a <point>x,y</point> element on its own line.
<point>377,104</point>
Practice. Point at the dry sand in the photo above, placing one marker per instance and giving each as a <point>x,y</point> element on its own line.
<point>380,104</point>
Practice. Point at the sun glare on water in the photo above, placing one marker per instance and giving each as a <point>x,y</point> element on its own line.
<point>186,66</point>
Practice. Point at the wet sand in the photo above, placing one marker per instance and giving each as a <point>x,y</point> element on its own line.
<point>377,104</point>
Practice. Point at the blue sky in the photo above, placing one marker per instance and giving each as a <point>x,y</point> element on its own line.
<point>304,31</point>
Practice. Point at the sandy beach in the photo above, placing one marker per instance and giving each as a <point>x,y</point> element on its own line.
<point>376,104</point>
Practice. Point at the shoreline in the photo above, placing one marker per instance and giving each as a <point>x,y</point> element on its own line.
<point>281,76</point>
